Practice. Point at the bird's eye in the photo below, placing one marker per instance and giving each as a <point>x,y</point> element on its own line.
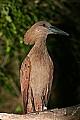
<point>44,25</point>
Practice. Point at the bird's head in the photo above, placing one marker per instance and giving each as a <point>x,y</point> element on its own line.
<point>39,31</point>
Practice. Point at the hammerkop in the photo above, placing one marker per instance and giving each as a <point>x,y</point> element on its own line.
<point>36,73</point>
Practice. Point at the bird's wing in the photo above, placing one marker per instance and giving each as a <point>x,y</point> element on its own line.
<point>47,90</point>
<point>50,79</point>
<point>24,81</point>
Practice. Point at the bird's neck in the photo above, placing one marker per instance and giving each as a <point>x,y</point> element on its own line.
<point>40,43</point>
<point>39,47</point>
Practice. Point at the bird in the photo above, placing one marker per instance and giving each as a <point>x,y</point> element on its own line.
<point>36,73</point>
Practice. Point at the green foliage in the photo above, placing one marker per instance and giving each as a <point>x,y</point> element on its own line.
<point>16,17</point>
<point>18,109</point>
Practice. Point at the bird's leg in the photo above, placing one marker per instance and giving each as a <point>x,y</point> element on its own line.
<point>43,103</point>
<point>44,99</point>
<point>38,103</point>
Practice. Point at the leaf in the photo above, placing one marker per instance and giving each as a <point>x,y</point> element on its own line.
<point>8,46</point>
<point>8,18</point>
<point>18,108</point>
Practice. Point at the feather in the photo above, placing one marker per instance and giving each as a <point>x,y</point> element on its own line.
<point>24,81</point>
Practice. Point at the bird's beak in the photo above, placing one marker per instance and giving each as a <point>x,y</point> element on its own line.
<point>55,30</point>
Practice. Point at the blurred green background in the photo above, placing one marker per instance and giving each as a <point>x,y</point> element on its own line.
<point>16,17</point>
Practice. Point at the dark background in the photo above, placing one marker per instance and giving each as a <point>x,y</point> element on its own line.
<point>16,17</point>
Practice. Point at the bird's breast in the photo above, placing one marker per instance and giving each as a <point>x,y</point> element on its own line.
<point>40,72</point>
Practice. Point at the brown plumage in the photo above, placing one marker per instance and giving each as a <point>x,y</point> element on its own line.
<point>36,73</point>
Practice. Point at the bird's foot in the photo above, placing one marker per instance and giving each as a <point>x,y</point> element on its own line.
<point>38,107</point>
<point>44,108</point>
<point>43,103</point>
